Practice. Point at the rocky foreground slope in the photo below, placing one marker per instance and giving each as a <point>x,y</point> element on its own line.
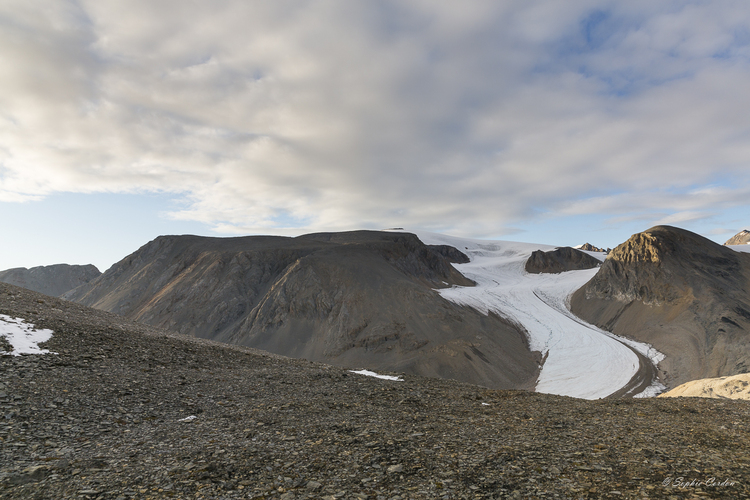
<point>684,294</point>
<point>52,280</point>
<point>109,417</point>
<point>362,298</point>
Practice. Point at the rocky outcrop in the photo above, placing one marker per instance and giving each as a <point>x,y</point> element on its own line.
<point>684,294</point>
<point>50,280</point>
<point>732,387</point>
<point>453,254</point>
<point>559,260</point>
<point>359,299</point>
<point>741,238</point>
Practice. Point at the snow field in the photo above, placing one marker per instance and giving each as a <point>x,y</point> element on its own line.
<point>22,336</point>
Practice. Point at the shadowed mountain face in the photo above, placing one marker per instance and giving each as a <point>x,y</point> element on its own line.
<point>559,260</point>
<point>358,299</point>
<point>741,238</point>
<point>684,294</point>
<point>50,280</point>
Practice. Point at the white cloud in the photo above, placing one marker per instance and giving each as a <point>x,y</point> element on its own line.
<point>271,116</point>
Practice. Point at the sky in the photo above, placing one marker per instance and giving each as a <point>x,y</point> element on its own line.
<point>538,121</point>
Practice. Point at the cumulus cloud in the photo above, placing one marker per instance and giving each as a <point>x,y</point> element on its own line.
<point>273,116</point>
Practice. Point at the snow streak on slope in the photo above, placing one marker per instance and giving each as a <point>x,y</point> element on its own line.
<point>580,359</point>
<point>368,373</point>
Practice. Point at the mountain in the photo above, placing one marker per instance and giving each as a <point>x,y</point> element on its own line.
<point>358,299</point>
<point>559,260</point>
<point>591,248</point>
<point>741,238</point>
<point>682,293</point>
<point>50,280</point>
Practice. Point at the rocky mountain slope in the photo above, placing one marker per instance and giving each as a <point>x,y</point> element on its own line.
<point>50,280</point>
<point>559,260</point>
<point>684,294</point>
<point>358,299</point>
<point>110,416</point>
<point>741,238</point>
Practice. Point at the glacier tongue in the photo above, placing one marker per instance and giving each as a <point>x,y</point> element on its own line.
<point>580,360</point>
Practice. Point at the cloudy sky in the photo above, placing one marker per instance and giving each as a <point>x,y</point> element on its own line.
<point>542,121</point>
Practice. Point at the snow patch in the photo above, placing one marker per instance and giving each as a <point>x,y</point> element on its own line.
<point>368,373</point>
<point>652,391</point>
<point>188,419</point>
<point>22,336</point>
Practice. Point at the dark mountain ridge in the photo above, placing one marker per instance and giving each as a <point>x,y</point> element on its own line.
<point>361,298</point>
<point>559,260</point>
<point>52,280</point>
<point>684,294</point>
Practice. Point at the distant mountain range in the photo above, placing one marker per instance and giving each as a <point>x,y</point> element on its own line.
<point>373,299</point>
<point>52,280</point>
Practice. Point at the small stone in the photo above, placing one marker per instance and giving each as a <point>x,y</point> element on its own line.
<point>395,468</point>
<point>313,485</point>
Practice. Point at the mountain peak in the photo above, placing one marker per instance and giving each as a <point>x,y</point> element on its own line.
<point>741,238</point>
<point>663,263</point>
<point>588,247</point>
